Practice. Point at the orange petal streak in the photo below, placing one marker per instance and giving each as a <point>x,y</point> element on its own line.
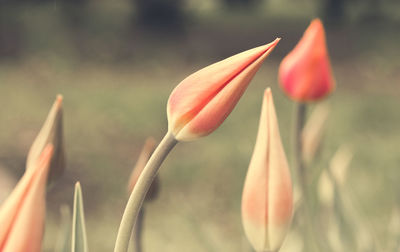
<point>202,101</point>
<point>22,214</point>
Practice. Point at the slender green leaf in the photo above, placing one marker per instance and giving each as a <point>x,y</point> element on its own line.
<point>79,240</point>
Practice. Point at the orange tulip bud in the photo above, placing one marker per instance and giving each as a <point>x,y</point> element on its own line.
<point>51,132</point>
<point>22,214</point>
<point>202,101</point>
<point>305,73</point>
<point>267,201</point>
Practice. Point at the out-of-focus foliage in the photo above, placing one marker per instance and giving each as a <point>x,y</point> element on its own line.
<point>116,76</point>
<point>159,13</point>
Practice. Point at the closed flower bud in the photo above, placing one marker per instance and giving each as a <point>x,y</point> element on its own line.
<point>305,73</point>
<point>22,214</point>
<point>267,201</point>
<point>51,132</point>
<point>202,101</point>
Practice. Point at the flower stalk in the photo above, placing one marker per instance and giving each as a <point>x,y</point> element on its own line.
<point>152,193</point>
<point>301,169</point>
<point>138,194</point>
<point>196,107</point>
<point>299,121</point>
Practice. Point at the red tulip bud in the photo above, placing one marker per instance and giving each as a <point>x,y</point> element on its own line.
<point>305,73</point>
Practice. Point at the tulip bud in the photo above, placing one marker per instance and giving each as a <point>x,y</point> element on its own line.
<point>51,132</point>
<point>202,101</point>
<point>22,214</point>
<point>267,201</point>
<point>305,73</point>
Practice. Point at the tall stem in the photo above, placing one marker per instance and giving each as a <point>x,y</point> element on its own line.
<point>137,232</point>
<point>139,192</point>
<point>300,117</point>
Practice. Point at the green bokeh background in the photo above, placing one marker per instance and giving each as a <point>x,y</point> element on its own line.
<point>116,77</point>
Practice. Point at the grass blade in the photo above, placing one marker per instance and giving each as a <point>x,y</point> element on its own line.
<point>79,240</point>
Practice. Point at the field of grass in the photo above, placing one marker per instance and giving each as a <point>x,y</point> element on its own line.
<point>115,96</point>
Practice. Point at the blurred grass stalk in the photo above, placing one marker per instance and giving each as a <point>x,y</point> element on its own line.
<point>313,133</point>
<point>63,239</point>
<point>138,194</point>
<point>311,232</point>
<point>365,236</point>
<point>144,156</point>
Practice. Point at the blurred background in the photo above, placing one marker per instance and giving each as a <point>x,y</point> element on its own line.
<point>115,63</point>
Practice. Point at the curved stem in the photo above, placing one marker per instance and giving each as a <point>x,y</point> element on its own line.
<point>137,231</point>
<point>139,192</point>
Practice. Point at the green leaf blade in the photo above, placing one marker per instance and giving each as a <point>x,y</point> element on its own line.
<point>79,239</point>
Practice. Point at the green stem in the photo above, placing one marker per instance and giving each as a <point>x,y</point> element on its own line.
<point>300,117</point>
<point>139,192</point>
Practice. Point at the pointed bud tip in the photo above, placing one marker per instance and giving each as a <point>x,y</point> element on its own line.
<point>59,99</point>
<point>273,44</point>
<point>267,94</point>
<point>316,22</point>
<point>276,41</point>
<point>316,27</point>
<point>77,185</point>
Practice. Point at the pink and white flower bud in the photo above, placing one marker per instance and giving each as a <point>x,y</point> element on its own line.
<point>22,214</point>
<point>202,101</point>
<point>267,201</point>
<point>50,133</point>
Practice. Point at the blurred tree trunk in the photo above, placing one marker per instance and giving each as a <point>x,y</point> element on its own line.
<point>159,13</point>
